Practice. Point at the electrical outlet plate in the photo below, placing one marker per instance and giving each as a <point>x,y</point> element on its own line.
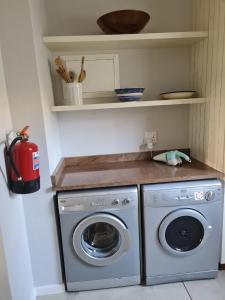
<point>150,137</point>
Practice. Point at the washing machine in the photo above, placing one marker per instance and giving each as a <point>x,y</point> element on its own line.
<point>182,230</point>
<point>100,238</point>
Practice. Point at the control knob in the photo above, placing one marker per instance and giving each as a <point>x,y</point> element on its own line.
<point>209,195</point>
<point>126,201</point>
<point>115,202</point>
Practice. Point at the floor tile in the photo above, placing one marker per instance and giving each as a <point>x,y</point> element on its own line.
<point>63,296</point>
<point>161,292</point>
<point>213,289</point>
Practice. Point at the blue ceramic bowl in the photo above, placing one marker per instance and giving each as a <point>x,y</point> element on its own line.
<point>129,94</point>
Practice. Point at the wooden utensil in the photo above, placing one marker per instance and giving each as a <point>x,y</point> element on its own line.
<point>62,71</point>
<point>62,75</point>
<point>59,63</point>
<point>82,75</point>
<point>72,76</point>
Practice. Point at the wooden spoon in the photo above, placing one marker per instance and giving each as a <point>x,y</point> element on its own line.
<point>62,75</point>
<point>82,75</point>
<point>62,70</point>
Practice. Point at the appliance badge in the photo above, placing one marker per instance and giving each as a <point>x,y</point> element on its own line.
<point>199,196</point>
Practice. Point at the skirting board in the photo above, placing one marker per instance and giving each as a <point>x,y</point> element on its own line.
<point>34,296</point>
<point>50,289</point>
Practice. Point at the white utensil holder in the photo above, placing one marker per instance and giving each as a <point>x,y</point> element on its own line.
<point>72,93</point>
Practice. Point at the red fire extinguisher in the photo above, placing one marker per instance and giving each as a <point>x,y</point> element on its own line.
<point>22,164</point>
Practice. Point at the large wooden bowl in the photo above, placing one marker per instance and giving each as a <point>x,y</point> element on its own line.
<point>123,21</point>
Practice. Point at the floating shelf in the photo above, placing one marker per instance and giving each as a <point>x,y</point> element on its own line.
<point>134,104</point>
<point>124,41</point>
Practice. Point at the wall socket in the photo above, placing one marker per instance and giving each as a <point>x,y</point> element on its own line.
<point>150,137</point>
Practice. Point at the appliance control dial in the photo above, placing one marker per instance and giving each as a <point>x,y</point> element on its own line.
<point>116,202</point>
<point>210,195</point>
<point>126,201</point>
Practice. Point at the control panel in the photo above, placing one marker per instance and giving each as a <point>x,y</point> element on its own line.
<point>178,195</point>
<point>197,196</point>
<point>166,198</point>
<point>115,202</point>
<point>95,202</point>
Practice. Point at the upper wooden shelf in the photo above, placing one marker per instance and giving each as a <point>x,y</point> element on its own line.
<point>124,41</point>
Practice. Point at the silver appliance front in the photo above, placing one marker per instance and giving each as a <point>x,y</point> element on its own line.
<point>182,223</point>
<point>100,239</point>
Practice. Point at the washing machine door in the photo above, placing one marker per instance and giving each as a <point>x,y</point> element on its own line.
<point>184,231</point>
<point>100,239</point>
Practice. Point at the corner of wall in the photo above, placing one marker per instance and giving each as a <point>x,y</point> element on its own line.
<point>43,56</point>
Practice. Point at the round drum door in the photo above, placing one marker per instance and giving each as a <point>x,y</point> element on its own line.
<point>184,232</point>
<point>100,239</point>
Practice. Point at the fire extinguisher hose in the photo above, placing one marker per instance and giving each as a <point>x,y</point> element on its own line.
<point>9,152</point>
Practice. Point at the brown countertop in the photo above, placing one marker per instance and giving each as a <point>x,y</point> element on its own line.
<point>123,169</point>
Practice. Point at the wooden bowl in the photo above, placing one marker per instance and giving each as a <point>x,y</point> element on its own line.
<point>123,21</point>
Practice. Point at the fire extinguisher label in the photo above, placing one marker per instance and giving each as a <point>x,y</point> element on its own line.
<point>35,160</point>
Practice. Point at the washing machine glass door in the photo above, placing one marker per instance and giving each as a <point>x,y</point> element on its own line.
<point>100,239</point>
<point>184,231</point>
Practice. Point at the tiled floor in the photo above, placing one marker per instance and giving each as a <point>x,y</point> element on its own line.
<point>195,290</point>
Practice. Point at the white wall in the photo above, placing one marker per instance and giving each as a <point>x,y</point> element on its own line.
<point>79,16</point>
<point>43,58</point>
<point>26,105</point>
<point>13,233</point>
<point>4,280</point>
<point>158,70</point>
<point>121,130</point>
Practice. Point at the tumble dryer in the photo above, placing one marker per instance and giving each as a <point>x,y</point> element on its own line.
<point>100,238</point>
<point>182,230</point>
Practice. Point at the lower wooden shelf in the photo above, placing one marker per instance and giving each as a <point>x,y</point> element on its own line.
<point>135,104</point>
